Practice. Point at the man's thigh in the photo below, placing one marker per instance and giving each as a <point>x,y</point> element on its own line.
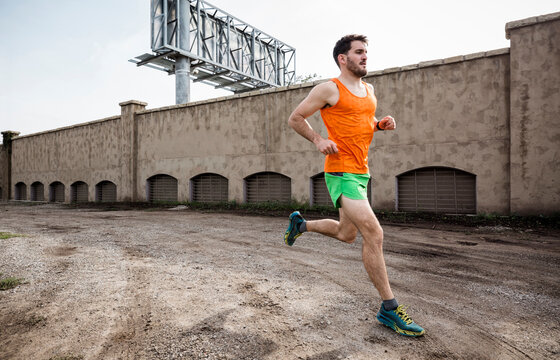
<point>358,212</point>
<point>347,229</point>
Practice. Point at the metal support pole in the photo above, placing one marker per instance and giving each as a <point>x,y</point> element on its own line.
<point>182,80</point>
<point>182,63</point>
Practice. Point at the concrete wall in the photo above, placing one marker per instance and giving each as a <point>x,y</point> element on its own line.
<point>468,112</point>
<point>449,114</point>
<point>535,114</point>
<point>452,113</point>
<point>88,152</point>
<point>234,137</point>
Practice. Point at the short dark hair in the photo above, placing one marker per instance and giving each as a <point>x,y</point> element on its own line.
<point>343,45</point>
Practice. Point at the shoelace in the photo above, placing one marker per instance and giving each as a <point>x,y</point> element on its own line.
<point>401,312</point>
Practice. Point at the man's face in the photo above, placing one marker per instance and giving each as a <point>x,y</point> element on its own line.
<point>356,59</point>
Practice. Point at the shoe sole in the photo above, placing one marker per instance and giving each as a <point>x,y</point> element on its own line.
<point>391,324</point>
<point>289,231</point>
<point>286,240</point>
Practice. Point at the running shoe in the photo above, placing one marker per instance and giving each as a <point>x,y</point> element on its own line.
<point>399,321</point>
<point>292,233</point>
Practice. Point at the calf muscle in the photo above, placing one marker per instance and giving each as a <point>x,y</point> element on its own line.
<point>343,230</point>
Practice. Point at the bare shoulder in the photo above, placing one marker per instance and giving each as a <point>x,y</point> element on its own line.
<point>326,93</point>
<point>370,87</point>
<point>326,88</point>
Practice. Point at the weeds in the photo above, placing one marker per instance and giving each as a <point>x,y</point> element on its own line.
<point>10,283</point>
<point>274,208</point>
<point>7,235</point>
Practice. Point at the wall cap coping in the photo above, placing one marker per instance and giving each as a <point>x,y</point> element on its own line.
<point>231,97</point>
<point>10,132</point>
<point>116,117</point>
<point>439,62</point>
<point>133,102</point>
<point>512,25</point>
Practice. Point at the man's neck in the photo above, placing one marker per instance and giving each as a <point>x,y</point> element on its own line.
<point>350,80</point>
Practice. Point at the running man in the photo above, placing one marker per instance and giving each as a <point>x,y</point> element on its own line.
<point>347,106</point>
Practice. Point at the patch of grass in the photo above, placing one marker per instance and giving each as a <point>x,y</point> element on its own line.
<point>273,208</point>
<point>482,219</point>
<point>10,283</point>
<point>8,235</point>
<point>269,208</point>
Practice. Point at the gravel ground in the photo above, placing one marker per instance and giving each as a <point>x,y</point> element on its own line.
<point>161,284</point>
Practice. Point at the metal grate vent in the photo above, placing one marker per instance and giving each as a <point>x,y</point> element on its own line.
<point>209,188</point>
<point>162,188</point>
<point>79,192</point>
<point>37,191</point>
<point>437,190</point>
<point>268,186</point>
<point>106,191</point>
<point>56,192</point>
<point>319,191</point>
<point>21,191</point>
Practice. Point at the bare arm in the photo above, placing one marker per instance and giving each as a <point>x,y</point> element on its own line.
<point>387,123</point>
<point>320,96</point>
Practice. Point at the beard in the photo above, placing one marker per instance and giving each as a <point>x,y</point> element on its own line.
<point>355,69</point>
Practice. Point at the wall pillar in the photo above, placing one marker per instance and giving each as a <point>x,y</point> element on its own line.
<point>535,115</point>
<point>6,164</point>
<point>126,189</point>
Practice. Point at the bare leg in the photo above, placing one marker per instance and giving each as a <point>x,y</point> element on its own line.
<point>343,230</point>
<point>357,215</point>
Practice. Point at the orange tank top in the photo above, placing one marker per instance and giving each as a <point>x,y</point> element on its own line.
<point>350,124</point>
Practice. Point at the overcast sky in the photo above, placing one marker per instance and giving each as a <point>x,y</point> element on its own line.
<point>65,62</point>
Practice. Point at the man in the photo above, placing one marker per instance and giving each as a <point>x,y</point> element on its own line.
<point>347,106</point>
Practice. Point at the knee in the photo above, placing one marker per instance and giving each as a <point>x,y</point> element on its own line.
<point>373,235</point>
<point>348,236</point>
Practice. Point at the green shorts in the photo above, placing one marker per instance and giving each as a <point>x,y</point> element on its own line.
<point>353,186</point>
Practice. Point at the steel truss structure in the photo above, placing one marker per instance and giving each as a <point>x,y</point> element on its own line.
<point>223,51</point>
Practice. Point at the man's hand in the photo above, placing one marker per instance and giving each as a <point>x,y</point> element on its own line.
<point>326,146</point>
<point>387,123</point>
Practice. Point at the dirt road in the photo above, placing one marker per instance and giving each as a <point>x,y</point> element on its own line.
<point>163,284</point>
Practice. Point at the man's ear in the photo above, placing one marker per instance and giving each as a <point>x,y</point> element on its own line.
<point>342,59</point>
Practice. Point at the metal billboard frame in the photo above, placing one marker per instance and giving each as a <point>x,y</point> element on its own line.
<point>216,48</point>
